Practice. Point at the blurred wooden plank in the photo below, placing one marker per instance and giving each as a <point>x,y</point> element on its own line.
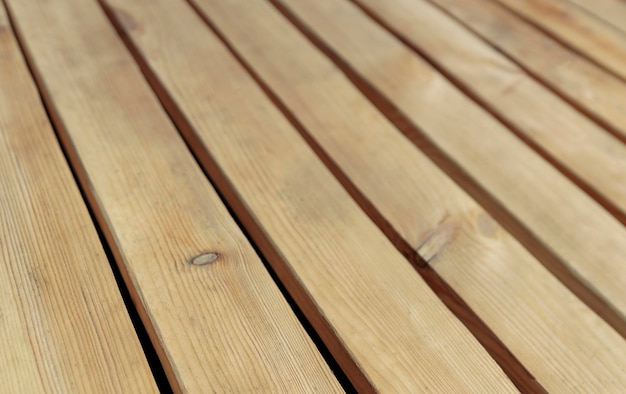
<point>594,157</point>
<point>384,325</point>
<point>512,292</point>
<point>577,29</point>
<point>611,11</point>
<point>594,91</point>
<point>63,324</point>
<point>223,326</point>
<point>561,225</point>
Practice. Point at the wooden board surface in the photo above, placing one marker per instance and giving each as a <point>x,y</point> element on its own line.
<point>576,28</point>
<point>223,326</point>
<point>594,91</point>
<point>571,234</point>
<point>611,11</point>
<point>438,186</point>
<point>63,324</point>
<point>592,156</point>
<point>518,299</point>
<point>366,301</point>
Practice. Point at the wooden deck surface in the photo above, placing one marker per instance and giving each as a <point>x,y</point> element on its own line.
<point>313,196</point>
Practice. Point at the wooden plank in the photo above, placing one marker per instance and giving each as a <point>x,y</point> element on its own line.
<point>575,231</point>
<point>596,159</point>
<point>577,29</point>
<point>223,326</point>
<point>63,323</point>
<point>378,316</point>
<point>597,93</point>
<point>611,11</point>
<point>512,292</point>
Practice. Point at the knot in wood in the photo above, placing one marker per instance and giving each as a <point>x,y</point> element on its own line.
<point>204,259</point>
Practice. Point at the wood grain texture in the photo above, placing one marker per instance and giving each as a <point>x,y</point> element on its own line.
<point>366,301</point>
<point>597,93</point>
<point>610,11</point>
<point>577,29</point>
<point>512,292</point>
<point>567,222</point>
<point>220,327</point>
<point>591,155</point>
<point>63,324</point>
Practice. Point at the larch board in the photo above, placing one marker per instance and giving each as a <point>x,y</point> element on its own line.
<point>587,240</point>
<point>63,324</point>
<point>590,154</point>
<point>366,301</point>
<point>484,140</point>
<point>594,91</point>
<point>573,26</point>
<point>611,11</point>
<point>223,326</point>
<point>518,299</point>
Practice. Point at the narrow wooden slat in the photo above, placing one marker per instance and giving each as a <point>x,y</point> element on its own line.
<point>611,11</point>
<point>595,157</point>
<point>576,28</point>
<point>511,291</point>
<point>567,223</point>
<point>63,323</point>
<point>219,327</point>
<point>591,89</point>
<point>378,316</point>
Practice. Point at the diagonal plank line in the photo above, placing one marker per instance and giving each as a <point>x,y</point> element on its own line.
<point>547,257</point>
<point>518,374</point>
<point>319,343</point>
<point>150,352</point>
<point>288,359</point>
<point>413,194</point>
<point>146,349</point>
<point>598,17</point>
<point>563,42</point>
<point>544,81</point>
<point>595,192</point>
<point>240,214</point>
<point>264,242</point>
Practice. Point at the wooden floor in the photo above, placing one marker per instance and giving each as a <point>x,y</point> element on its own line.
<point>291,196</point>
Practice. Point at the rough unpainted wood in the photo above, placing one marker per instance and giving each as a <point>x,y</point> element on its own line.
<point>63,324</point>
<point>610,11</point>
<point>578,29</point>
<point>220,326</point>
<point>512,292</point>
<point>596,92</point>
<point>584,150</point>
<point>366,301</point>
<point>556,215</point>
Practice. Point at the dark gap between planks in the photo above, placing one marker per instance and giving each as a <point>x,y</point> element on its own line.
<point>512,367</point>
<point>300,315</point>
<point>552,262</point>
<point>484,103</point>
<point>505,218</point>
<point>545,82</point>
<point>144,339</point>
<point>561,41</point>
<point>597,17</point>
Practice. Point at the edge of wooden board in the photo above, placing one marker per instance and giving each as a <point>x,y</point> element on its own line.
<point>156,266</point>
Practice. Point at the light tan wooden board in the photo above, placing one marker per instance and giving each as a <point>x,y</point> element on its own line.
<point>584,148</point>
<point>332,258</point>
<point>63,324</point>
<point>593,90</point>
<point>518,299</point>
<point>221,327</point>
<point>576,28</point>
<point>610,11</point>
<point>590,242</point>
